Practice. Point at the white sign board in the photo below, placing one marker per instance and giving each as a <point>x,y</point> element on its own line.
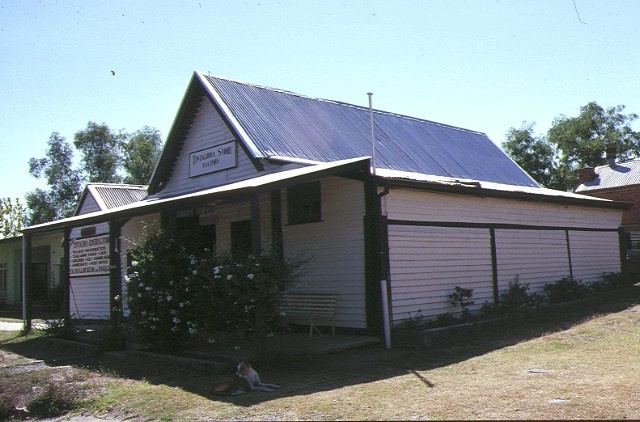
<point>89,256</point>
<point>220,157</point>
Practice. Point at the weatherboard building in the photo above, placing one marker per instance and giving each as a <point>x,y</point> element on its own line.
<point>268,169</point>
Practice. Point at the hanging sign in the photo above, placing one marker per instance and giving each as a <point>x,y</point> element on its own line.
<point>210,160</point>
<point>89,256</point>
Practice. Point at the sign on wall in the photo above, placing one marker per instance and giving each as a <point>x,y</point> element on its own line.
<point>210,160</point>
<point>89,256</point>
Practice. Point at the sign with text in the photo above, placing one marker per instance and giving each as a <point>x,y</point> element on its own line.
<point>89,256</point>
<point>210,160</point>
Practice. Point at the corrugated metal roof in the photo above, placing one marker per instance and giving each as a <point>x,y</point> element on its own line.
<point>622,174</point>
<point>498,187</point>
<point>285,124</point>
<point>112,195</point>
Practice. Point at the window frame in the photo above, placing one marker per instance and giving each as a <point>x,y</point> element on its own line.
<point>304,203</point>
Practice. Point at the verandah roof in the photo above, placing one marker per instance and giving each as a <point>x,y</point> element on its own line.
<point>237,190</point>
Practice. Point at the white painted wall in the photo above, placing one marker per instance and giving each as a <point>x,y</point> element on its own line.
<point>427,262</point>
<point>594,253</point>
<point>404,204</point>
<point>89,297</point>
<point>537,257</point>
<point>336,246</point>
<point>208,129</point>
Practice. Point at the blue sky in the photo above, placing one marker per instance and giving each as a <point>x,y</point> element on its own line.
<point>485,65</point>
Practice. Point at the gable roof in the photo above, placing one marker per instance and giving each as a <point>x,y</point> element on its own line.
<point>112,195</point>
<point>276,124</point>
<point>622,174</point>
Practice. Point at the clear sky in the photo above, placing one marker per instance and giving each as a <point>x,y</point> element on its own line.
<point>485,65</point>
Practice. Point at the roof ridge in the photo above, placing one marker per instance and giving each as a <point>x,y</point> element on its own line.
<point>116,185</point>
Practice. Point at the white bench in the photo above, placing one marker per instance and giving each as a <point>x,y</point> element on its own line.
<point>314,309</point>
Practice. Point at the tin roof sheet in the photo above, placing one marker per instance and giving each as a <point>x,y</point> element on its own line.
<point>111,195</point>
<point>622,174</point>
<point>285,124</point>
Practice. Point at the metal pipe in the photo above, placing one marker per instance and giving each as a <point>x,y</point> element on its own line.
<point>385,314</point>
<point>373,138</point>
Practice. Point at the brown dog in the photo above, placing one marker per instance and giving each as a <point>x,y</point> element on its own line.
<point>245,380</point>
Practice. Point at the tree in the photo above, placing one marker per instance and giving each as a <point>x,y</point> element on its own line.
<point>105,155</point>
<point>573,143</point>
<point>65,183</point>
<point>12,217</point>
<point>141,152</point>
<point>582,139</point>
<point>101,152</point>
<point>533,153</point>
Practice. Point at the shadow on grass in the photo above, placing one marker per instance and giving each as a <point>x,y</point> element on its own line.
<point>303,374</point>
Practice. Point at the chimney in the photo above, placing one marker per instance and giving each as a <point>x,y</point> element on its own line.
<point>586,175</point>
<point>611,151</point>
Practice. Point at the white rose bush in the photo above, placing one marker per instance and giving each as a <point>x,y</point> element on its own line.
<point>174,296</point>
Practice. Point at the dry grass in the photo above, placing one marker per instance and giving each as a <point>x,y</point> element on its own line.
<point>584,371</point>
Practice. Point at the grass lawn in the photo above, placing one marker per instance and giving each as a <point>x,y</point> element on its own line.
<point>576,362</point>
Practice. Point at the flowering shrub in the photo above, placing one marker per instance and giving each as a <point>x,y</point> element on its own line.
<point>565,290</point>
<point>173,295</point>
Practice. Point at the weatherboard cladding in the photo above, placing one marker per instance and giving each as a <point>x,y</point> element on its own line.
<point>282,123</point>
<point>622,174</point>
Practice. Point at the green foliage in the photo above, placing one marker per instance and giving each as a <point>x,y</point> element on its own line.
<point>101,152</point>
<point>612,281</point>
<point>517,297</point>
<point>12,217</point>
<point>489,310</point>
<point>445,319</point>
<point>414,321</point>
<point>582,139</point>
<point>573,143</point>
<point>565,290</point>
<point>104,156</point>
<point>65,183</point>
<point>141,152</point>
<point>174,295</point>
<point>533,153</point>
<point>462,298</point>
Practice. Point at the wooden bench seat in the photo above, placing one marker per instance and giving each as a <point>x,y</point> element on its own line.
<point>314,309</point>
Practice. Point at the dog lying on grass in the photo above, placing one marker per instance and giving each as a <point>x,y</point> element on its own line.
<point>245,380</point>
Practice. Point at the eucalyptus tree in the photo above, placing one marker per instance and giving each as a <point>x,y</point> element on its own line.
<point>573,143</point>
<point>141,152</point>
<point>105,157</point>
<point>64,182</point>
<point>13,217</point>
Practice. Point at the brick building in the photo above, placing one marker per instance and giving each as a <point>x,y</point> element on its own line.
<point>618,181</point>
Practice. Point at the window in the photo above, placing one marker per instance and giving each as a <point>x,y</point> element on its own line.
<point>198,238</point>
<point>303,203</point>
<point>3,280</point>
<point>240,238</point>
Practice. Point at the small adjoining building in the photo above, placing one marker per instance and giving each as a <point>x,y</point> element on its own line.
<point>618,181</point>
<point>47,256</point>
<point>252,167</point>
<point>47,270</point>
